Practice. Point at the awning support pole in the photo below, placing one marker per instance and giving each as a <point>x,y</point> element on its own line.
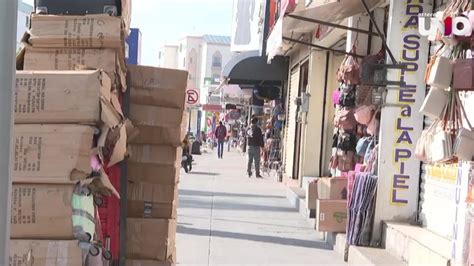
<point>381,34</point>
<point>322,47</point>
<point>316,21</point>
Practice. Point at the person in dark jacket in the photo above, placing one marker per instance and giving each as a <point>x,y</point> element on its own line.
<point>255,143</point>
<point>221,134</point>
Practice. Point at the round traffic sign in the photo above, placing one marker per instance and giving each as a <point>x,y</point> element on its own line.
<point>192,97</point>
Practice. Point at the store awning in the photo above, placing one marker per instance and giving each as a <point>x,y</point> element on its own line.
<point>250,68</point>
<point>297,23</point>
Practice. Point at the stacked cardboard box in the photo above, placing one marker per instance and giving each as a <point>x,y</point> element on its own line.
<point>157,99</point>
<point>331,204</point>
<point>68,128</point>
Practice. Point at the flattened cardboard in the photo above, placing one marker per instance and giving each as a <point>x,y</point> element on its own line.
<point>155,154</point>
<point>334,188</point>
<point>311,195</point>
<point>147,200</point>
<point>160,135</point>
<point>70,59</point>
<point>154,116</point>
<point>158,86</point>
<point>331,216</point>
<point>60,96</point>
<point>89,31</point>
<point>151,239</point>
<point>153,173</point>
<point>53,154</point>
<point>44,252</point>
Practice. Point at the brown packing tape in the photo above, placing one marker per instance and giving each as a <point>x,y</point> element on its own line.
<point>88,31</point>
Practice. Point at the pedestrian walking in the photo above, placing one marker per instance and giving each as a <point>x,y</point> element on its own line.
<point>255,143</point>
<point>221,134</point>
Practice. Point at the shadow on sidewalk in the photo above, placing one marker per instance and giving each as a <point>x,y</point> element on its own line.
<point>184,192</point>
<point>198,204</point>
<point>257,238</point>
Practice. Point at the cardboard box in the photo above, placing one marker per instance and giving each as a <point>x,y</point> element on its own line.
<point>334,188</point>
<point>153,173</point>
<point>154,116</point>
<point>49,212</point>
<point>172,136</point>
<point>311,195</point>
<point>58,154</point>
<point>111,61</point>
<point>155,154</point>
<point>158,86</point>
<point>331,216</point>
<point>44,253</point>
<point>151,239</point>
<point>89,31</point>
<point>60,96</point>
<point>148,263</point>
<point>147,200</point>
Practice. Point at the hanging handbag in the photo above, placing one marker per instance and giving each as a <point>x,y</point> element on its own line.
<point>348,96</point>
<point>441,73</point>
<point>464,145</point>
<point>336,95</point>
<point>345,161</point>
<point>372,127</point>
<point>422,149</point>
<point>463,78</point>
<point>442,146</point>
<point>345,120</point>
<point>434,103</point>
<point>349,71</point>
<point>362,146</point>
<point>347,142</point>
<point>364,114</point>
<point>464,141</point>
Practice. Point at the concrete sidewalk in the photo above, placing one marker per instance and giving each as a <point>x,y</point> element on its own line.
<point>226,218</point>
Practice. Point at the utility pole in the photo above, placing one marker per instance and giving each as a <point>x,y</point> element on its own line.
<point>8,19</point>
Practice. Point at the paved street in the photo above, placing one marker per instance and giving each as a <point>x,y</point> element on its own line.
<point>227,218</point>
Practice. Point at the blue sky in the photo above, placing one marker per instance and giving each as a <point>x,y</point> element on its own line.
<point>165,21</point>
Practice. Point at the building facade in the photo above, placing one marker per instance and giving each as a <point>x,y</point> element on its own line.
<point>411,200</point>
<point>23,21</point>
<point>204,58</point>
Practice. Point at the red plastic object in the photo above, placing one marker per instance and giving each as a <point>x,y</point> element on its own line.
<point>109,213</point>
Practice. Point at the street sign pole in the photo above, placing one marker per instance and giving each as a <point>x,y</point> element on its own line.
<point>8,15</point>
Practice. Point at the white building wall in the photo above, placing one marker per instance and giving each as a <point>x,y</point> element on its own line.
<point>23,21</point>
<point>169,57</point>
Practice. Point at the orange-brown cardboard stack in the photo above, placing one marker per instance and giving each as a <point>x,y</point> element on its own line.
<point>157,98</point>
<point>68,126</point>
